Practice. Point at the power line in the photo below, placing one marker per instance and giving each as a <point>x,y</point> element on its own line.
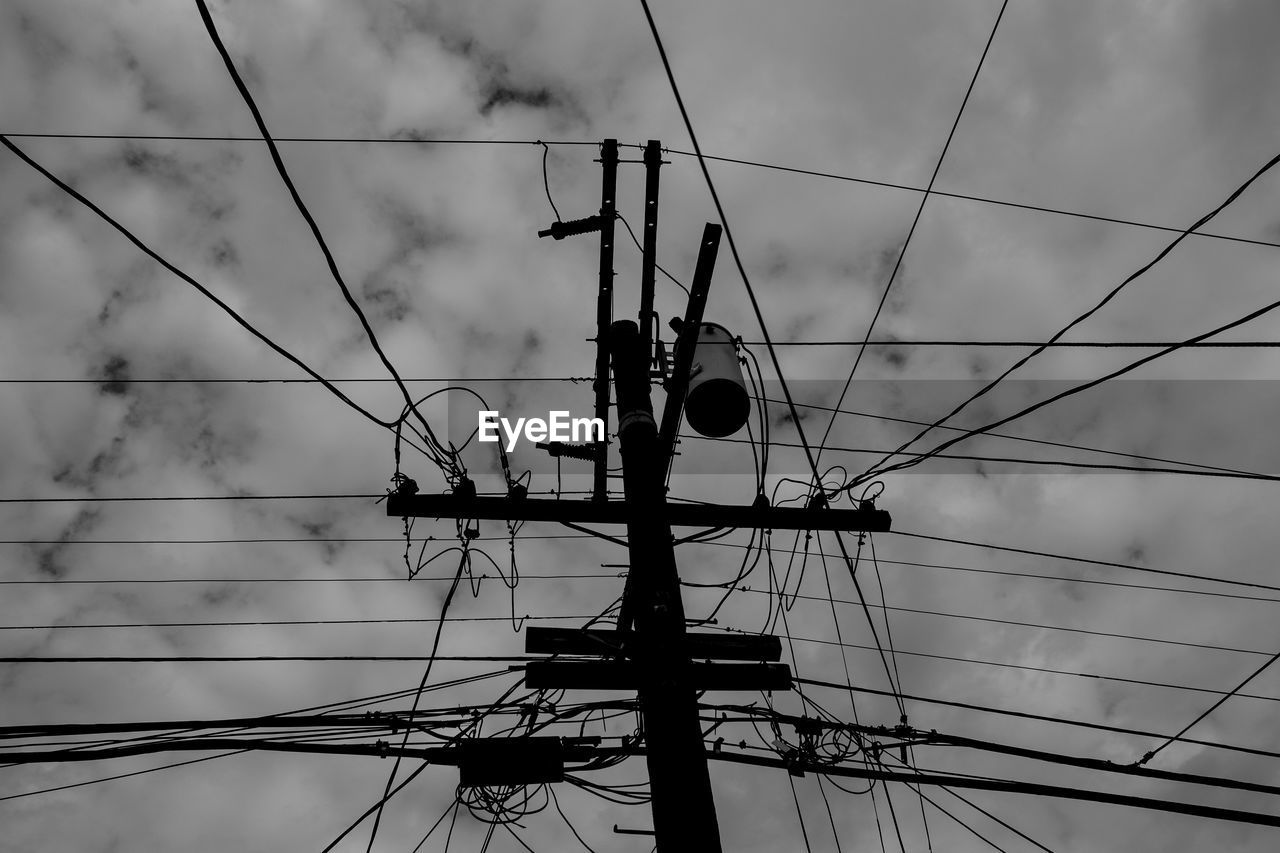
<point>441,456</point>
<point>728,232</point>
<point>1091,562</point>
<point>1055,578</point>
<point>1013,460</point>
<point>1015,623</point>
<point>1057,211</point>
<point>1080,319</point>
<point>1129,368</point>
<point>1040,718</point>
<point>151,253</point>
<point>1019,438</point>
<point>893,274</point>
<point>268,540</point>
<point>777,167</point>
<point>1047,670</point>
<point>277,658</point>
<point>931,801</point>
<point>918,737</point>
<point>339,579</point>
<point>52,790</point>
<point>903,342</point>
<point>177,498</point>
<point>1063,628</point>
<point>281,623</point>
<point>397,140</point>
<point>1215,706</point>
<point>1008,786</point>
<point>281,381</point>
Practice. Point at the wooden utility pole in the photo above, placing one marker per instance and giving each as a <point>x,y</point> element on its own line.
<point>684,813</point>
<point>650,651</point>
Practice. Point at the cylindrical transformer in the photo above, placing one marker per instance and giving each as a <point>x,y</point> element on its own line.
<point>717,403</point>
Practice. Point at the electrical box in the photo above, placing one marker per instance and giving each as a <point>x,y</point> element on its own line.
<point>717,403</point>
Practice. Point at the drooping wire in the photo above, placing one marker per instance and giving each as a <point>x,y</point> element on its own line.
<point>546,183</point>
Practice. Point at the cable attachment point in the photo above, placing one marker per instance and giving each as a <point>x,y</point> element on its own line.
<point>402,484</point>
<point>560,230</point>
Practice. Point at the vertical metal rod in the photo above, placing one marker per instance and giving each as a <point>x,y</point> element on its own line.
<point>604,306</point>
<point>649,259</point>
<point>684,811</point>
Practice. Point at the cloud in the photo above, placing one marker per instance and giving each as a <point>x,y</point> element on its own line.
<point>1145,112</point>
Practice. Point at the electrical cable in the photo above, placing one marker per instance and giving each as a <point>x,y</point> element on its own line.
<point>426,675</point>
<point>1232,692</point>
<point>912,230</point>
<point>804,833</point>
<point>967,197</point>
<point>1023,439</point>
<point>728,233</point>
<point>155,256</point>
<point>1022,624</point>
<point>442,456</point>
<point>1027,715</point>
<point>1077,321</point>
<point>1030,668</point>
<point>924,456</point>
<point>659,267</point>
<point>893,816</point>
<point>419,140</point>
<point>353,380</point>
<point>1091,562</point>
<point>1015,787</point>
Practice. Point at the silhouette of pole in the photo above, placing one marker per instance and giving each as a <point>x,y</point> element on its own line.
<point>684,815</point>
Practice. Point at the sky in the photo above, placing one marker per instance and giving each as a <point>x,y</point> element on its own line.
<point>121,380</point>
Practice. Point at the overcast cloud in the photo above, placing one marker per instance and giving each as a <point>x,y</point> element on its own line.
<point>1151,112</point>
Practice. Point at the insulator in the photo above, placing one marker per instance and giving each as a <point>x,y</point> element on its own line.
<point>560,230</point>
<point>587,452</point>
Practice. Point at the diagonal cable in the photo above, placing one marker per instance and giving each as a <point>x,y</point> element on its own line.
<point>311,222</point>
<point>914,222</point>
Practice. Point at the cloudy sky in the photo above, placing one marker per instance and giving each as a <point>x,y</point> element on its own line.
<point>119,379</point>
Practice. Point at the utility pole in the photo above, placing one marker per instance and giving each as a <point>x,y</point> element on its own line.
<point>684,812</point>
<point>650,652</point>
